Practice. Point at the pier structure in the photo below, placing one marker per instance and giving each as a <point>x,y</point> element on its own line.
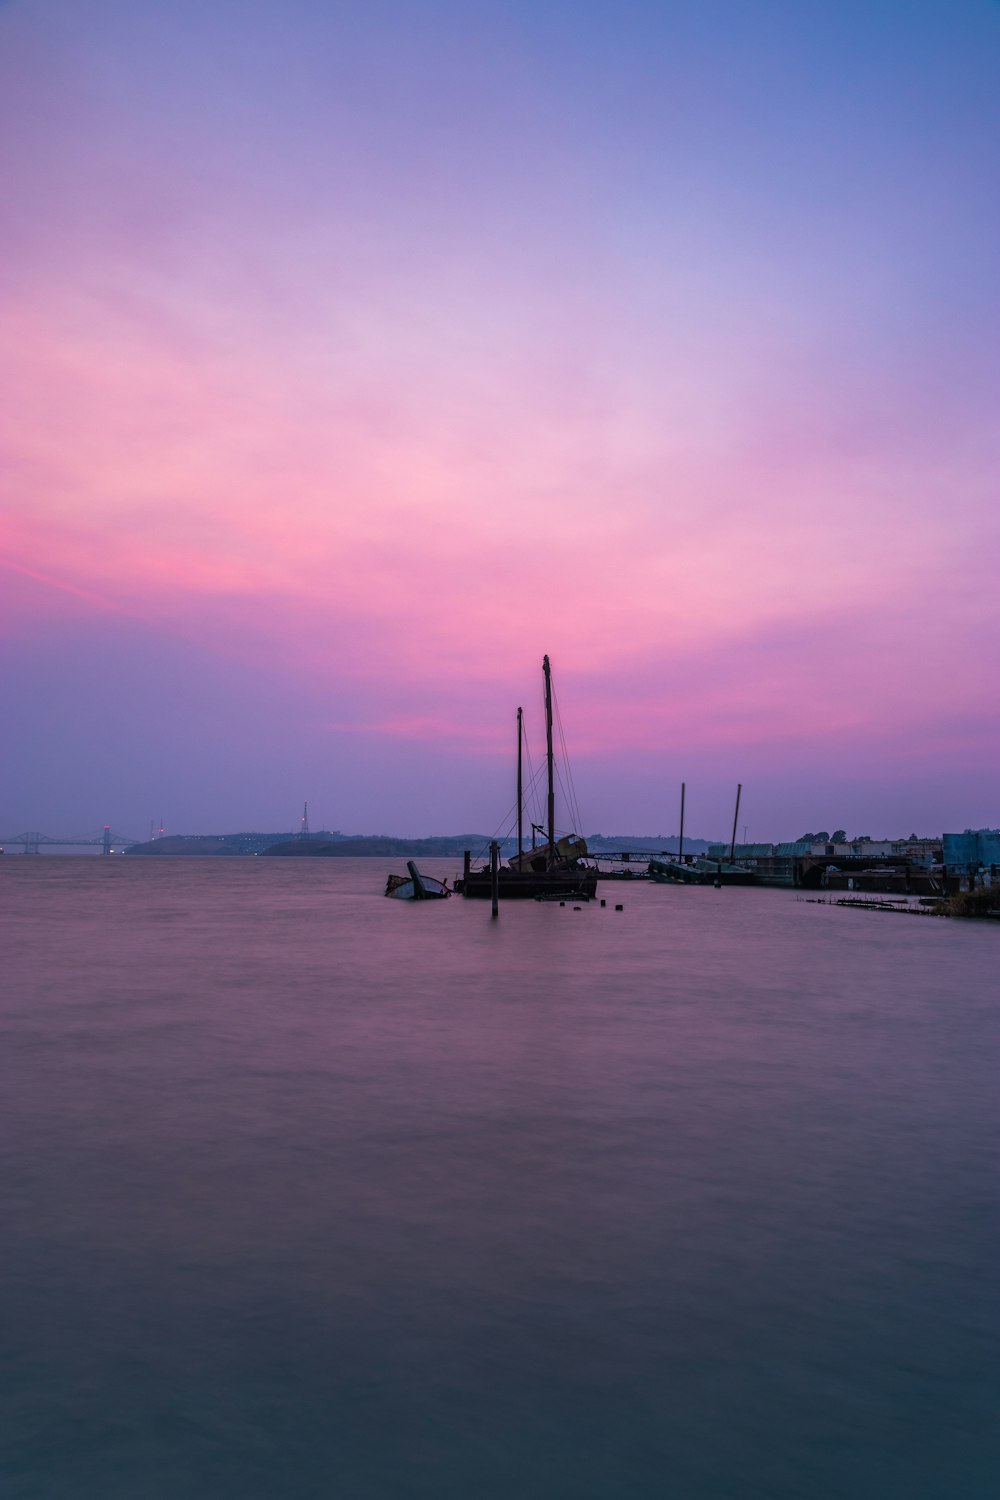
<point>625,864</point>
<point>818,866</point>
<point>799,866</point>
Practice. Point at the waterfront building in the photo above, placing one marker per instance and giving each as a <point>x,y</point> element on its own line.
<point>975,849</point>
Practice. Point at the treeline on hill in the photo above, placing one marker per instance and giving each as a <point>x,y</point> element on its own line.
<point>442,847</point>
<point>317,845</point>
<point>447,846</point>
<point>337,845</point>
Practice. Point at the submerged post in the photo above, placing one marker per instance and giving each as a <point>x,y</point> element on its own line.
<point>680,841</point>
<point>736,815</point>
<point>495,878</point>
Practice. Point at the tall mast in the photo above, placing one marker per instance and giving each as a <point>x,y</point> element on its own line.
<point>736,816</point>
<point>548,758</point>
<point>520,793</point>
<point>680,844</point>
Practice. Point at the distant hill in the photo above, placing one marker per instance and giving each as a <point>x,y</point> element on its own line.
<point>447,845</point>
<point>443,847</point>
<point>215,843</point>
<point>333,844</point>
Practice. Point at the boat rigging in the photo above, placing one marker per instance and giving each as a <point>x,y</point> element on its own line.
<point>549,869</point>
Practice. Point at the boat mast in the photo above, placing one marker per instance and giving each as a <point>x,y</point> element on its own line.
<point>736,818</point>
<point>680,843</point>
<point>549,760</point>
<point>520,794</point>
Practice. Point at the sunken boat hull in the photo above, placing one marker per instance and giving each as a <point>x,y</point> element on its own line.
<point>415,886</point>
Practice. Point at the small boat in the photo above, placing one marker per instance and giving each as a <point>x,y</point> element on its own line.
<point>416,887</point>
<point>552,869</point>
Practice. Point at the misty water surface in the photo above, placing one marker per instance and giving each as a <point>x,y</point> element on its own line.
<point>313,1194</point>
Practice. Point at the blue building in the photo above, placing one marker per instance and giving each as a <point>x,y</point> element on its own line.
<point>971,850</point>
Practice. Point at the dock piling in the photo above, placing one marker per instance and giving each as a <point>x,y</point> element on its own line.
<point>495,879</point>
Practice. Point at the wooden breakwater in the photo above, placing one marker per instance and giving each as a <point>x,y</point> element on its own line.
<point>863,904</point>
<point>970,906</point>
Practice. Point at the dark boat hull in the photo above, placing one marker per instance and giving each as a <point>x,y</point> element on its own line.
<point>530,884</point>
<point>417,887</point>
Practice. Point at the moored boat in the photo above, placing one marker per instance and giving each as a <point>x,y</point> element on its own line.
<point>554,868</point>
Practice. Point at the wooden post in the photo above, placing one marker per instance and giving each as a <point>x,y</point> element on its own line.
<point>495,878</point>
<point>680,841</point>
<point>466,863</point>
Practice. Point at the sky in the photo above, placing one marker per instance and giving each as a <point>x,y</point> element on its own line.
<point>356,353</point>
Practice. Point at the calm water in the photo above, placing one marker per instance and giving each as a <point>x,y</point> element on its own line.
<point>312,1194</point>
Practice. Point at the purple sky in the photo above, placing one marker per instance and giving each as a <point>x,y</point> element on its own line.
<point>355,355</point>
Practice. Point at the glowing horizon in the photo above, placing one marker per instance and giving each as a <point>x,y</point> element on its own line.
<point>353,365</point>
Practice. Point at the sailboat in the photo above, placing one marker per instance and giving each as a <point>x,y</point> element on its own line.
<point>554,868</point>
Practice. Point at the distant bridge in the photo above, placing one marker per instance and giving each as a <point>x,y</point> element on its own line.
<point>33,842</point>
